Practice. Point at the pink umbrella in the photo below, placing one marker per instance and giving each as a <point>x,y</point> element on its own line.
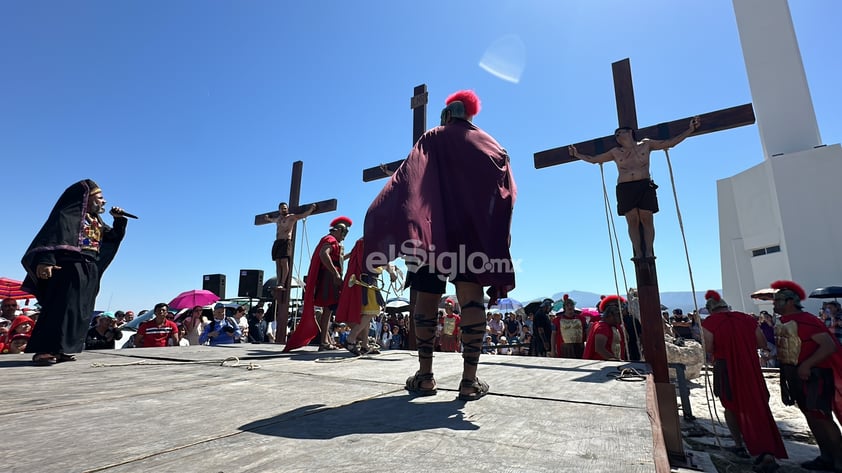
<point>192,298</point>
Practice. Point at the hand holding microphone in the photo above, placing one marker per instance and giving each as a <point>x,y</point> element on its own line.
<point>118,212</point>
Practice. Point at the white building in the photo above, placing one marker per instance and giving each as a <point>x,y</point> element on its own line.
<point>779,219</point>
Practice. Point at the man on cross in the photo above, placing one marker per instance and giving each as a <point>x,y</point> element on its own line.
<point>636,196</point>
<point>281,248</point>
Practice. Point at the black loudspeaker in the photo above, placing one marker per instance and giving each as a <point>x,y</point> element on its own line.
<point>251,283</point>
<point>214,283</point>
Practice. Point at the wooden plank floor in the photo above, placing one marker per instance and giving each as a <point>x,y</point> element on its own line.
<point>179,410</point>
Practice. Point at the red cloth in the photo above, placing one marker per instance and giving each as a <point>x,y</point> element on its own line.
<point>603,328</point>
<point>454,194</point>
<point>351,297</point>
<point>809,325</point>
<point>734,340</point>
<point>308,328</point>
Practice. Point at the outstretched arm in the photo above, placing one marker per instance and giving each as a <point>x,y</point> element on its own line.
<point>306,213</point>
<point>666,144</point>
<point>600,158</point>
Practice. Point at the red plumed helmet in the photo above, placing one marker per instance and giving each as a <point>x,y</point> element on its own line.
<point>613,299</point>
<point>468,98</point>
<point>565,297</point>
<point>343,220</point>
<point>784,285</point>
<point>711,294</point>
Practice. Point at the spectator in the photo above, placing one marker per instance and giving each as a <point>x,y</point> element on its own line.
<point>543,330</point>
<point>193,324</point>
<point>258,327</point>
<point>16,344</point>
<point>129,316</point>
<point>396,341</point>
<point>182,336</point>
<point>157,332</point>
<point>242,321</point>
<point>769,355</point>
<point>386,338</point>
<point>9,309</point>
<point>21,325</point>
<point>833,319</point>
<point>102,335</point>
<point>496,325</point>
<point>681,325</point>
<point>221,330</point>
<point>503,346</point>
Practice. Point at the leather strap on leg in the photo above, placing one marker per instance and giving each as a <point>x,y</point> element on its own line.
<point>474,304</point>
<point>425,325</point>
<point>472,341</point>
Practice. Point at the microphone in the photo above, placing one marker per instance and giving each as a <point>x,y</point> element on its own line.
<point>122,213</point>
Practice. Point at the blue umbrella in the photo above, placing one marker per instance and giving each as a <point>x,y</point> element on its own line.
<point>507,304</point>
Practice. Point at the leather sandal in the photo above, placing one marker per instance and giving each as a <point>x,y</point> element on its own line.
<point>479,385</point>
<point>413,384</point>
<point>62,357</point>
<point>43,359</point>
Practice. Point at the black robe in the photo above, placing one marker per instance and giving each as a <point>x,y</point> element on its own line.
<point>67,298</point>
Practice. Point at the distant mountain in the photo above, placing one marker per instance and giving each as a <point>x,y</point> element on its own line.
<point>680,299</point>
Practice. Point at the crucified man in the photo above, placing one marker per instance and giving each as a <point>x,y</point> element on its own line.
<point>636,196</point>
<point>281,247</point>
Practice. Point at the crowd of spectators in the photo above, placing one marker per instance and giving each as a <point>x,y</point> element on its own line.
<point>506,333</point>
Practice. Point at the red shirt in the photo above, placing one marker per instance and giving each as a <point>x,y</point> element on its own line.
<point>152,335</point>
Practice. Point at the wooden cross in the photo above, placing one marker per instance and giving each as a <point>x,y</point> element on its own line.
<point>282,297</point>
<point>652,335</point>
<point>418,104</point>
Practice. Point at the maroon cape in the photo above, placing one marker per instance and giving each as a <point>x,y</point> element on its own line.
<point>734,341</point>
<point>809,325</point>
<point>351,297</point>
<point>453,195</point>
<point>308,328</point>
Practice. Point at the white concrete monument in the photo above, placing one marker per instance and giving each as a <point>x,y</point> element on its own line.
<point>780,219</point>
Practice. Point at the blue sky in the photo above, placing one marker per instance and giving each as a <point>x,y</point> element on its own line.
<point>191,113</point>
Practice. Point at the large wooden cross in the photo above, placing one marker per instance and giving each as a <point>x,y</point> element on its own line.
<point>418,104</point>
<point>282,297</point>
<point>652,335</point>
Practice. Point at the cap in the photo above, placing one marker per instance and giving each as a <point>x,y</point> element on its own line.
<point>110,315</point>
<point>218,305</point>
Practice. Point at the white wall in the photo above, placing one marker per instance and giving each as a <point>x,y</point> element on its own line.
<point>792,201</point>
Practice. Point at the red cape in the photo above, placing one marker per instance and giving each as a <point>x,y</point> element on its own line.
<point>734,341</point>
<point>351,297</point>
<point>810,324</point>
<point>453,194</point>
<point>308,328</point>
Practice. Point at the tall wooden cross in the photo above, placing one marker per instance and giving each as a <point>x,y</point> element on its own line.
<point>418,104</point>
<point>652,335</point>
<point>282,297</point>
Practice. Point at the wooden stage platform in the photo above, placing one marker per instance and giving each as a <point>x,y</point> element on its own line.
<point>178,410</point>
